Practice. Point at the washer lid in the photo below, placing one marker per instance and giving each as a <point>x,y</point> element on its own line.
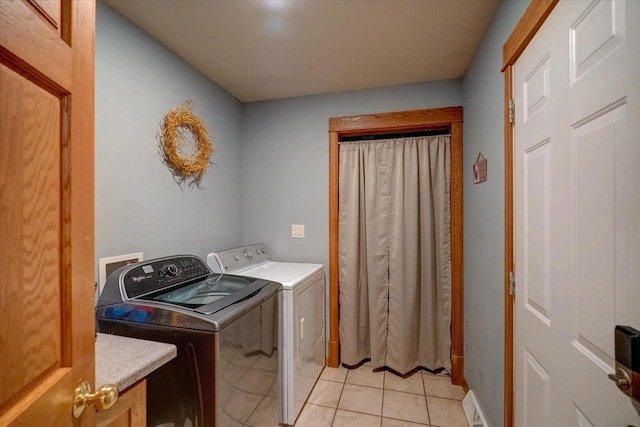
<point>208,295</point>
<point>289,274</point>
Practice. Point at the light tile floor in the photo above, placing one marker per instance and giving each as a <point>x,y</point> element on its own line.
<point>361,397</point>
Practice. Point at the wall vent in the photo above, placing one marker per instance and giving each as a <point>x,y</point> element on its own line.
<point>472,410</point>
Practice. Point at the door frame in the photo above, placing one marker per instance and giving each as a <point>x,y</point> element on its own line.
<point>524,31</point>
<point>404,121</point>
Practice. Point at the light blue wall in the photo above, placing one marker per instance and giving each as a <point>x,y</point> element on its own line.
<point>285,161</point>
<point>138,206</point>
<point>484,216</point>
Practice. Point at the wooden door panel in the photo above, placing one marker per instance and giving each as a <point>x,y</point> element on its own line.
<point>576,213</point>
<point>597,32</point>
<point>30,42</point>
<point>46,210</point>
<point>594,156</point>
<point>537,231</point>
<point>536,392</point>
<point>534,227</point>
<point>50,10</point>
<point>30,254</point>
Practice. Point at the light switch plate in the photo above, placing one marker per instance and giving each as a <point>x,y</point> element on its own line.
<point>297,231</point>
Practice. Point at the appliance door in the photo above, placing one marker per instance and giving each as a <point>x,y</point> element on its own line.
<point>202,292</point>
<point>308,338</point>
<point>247,379</point>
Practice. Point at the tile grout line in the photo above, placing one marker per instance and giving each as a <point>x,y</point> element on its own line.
<point>333,419</point>
<point>384,379</point>
<point>439,397</point>
<point>444,398</point>
<point>426,401</point>
<point>358,385</point>
<point>408,392</point>
<point>407,421</point>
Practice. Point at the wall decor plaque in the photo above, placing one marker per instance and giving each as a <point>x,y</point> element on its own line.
<point>480,169</point>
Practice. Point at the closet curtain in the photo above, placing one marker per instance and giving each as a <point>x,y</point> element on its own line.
<point>395,253</point>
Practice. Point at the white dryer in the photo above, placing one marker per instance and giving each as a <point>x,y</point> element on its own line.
<point>302,318</point>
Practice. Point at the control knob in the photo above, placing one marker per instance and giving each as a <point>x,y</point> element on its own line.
<point>172,270</point>
<point>248,254</point>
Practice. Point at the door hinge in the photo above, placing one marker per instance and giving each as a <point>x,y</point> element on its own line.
<point>512,283</point>
<point>512,111</point>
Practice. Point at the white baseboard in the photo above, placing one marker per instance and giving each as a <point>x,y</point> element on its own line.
<point>472,410</point>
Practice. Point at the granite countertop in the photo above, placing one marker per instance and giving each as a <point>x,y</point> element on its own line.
<point>123,361</point>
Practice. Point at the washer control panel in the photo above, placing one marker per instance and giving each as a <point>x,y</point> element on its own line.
<point>237,258</point>
<point>149,276</point>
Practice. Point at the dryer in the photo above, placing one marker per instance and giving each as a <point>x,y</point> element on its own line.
<point>302,320</point>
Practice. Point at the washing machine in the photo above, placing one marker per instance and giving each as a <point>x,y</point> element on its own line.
<point>302,320</point>
<point>224,327</point>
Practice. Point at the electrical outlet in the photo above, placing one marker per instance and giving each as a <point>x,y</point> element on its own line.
<point>297,231</point>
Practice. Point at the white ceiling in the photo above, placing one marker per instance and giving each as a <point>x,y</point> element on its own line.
<point>259,50</point>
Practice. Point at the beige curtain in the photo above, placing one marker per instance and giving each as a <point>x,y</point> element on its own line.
<point>394,253</point>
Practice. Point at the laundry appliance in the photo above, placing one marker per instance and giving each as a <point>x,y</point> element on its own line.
<point>224,327</point>
<point>302,320</point>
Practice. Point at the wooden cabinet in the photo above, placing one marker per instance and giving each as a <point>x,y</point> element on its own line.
<point>130,409</point>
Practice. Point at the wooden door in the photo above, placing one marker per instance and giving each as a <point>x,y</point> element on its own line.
<point>577,221</point>
<point>46,209</point>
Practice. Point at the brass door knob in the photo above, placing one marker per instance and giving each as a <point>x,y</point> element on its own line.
<point>103,398</point>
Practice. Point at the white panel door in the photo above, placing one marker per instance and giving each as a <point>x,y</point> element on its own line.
<point>577,213</point>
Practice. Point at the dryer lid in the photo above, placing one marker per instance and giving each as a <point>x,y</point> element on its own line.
<point>289,274</point>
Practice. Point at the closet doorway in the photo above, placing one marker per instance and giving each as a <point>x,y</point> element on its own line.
<point>392,123</point>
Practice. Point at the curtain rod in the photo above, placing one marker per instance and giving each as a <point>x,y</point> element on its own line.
<point>394,135</point>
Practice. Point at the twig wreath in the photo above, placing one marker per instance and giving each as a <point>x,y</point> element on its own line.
<point>190,168</point>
